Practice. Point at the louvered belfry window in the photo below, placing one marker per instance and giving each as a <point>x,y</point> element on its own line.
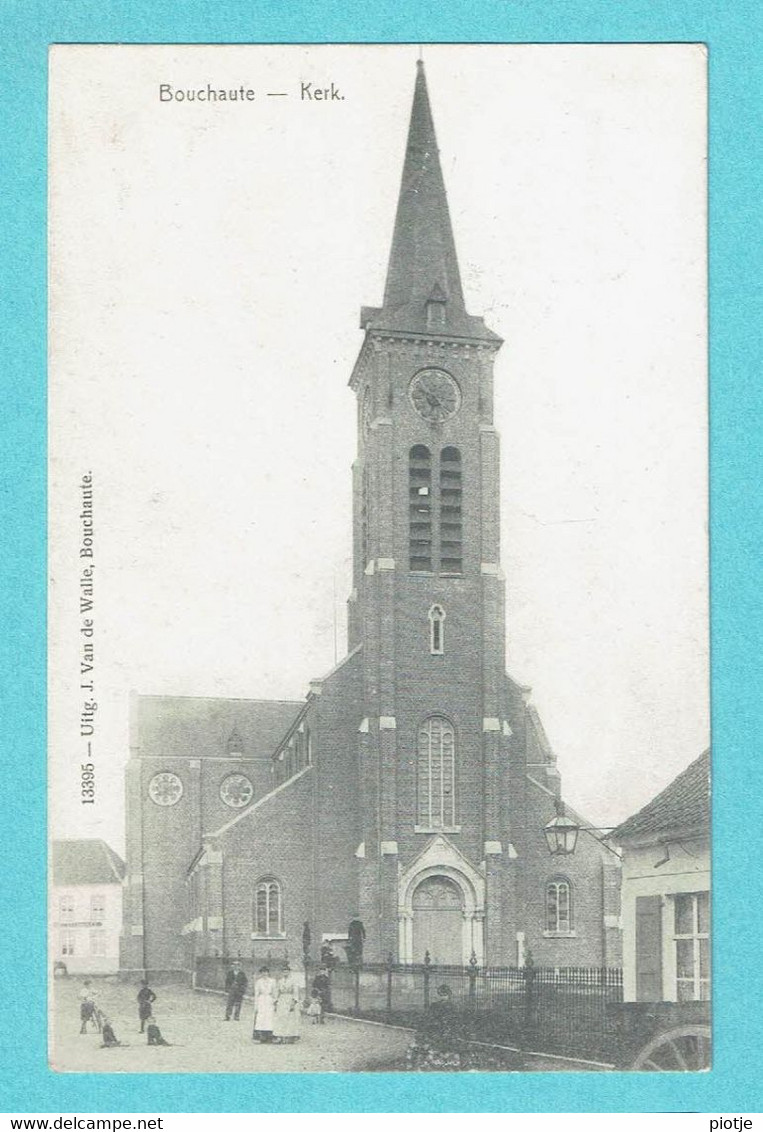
<point>420,508</point>
<point>451,530</point>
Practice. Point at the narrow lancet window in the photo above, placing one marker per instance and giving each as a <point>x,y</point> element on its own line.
<point>558,906</point>
<point>420,508</point>
<point>268,912</point>
<point>437,630</point>
<point>451,534</point>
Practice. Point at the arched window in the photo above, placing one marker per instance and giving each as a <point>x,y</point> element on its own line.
<point>451,540</point>
<point>436,774</point>
<point>420,508</point>
<point>437,630</point>
<point>558,905</point>
<point>268,911</point>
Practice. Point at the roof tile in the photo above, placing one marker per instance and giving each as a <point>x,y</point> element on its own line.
<point>683,805</point>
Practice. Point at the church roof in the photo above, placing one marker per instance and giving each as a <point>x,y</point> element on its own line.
<point>423,266</point>
<point>88,861</point>
<point>202,727</point>
<point>684,805</point>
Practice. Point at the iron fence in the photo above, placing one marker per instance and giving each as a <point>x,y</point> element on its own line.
<point>569,1011</point>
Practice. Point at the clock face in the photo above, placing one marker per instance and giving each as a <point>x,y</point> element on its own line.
<point>435,395</point>
<point>165,789</point>
<point>236,790</point>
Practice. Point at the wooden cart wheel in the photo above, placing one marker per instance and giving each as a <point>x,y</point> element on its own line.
<point>684,1049</point>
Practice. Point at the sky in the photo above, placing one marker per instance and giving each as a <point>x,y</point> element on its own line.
<point>208,263</point>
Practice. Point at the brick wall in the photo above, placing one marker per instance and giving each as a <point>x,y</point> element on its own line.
<point>273,840</point>
<point>591,877</point>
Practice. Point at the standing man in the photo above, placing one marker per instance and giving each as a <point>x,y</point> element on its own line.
<point>236,983</point>
<point>356,935</point>
<point>145,997</point>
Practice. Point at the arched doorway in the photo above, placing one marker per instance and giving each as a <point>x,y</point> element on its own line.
<point>438,916</point>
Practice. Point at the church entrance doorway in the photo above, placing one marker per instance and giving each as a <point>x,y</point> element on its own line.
<point>438,916</point>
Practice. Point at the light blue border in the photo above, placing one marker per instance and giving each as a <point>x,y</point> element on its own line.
<point>732,29</point>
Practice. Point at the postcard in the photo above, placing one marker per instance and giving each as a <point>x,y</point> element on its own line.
<point>379,713</point>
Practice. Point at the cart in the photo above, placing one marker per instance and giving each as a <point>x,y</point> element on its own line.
<point>665,1037</point>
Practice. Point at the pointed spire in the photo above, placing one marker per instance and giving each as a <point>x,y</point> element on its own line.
<point>423,287</point>
<point>423,251</point>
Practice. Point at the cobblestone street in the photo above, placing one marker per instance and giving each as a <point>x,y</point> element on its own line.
<point>202,1042</point>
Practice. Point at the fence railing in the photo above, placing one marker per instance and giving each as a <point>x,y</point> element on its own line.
<point>570,1011</point>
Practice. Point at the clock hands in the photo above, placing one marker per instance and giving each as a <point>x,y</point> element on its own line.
<point>434,395</point>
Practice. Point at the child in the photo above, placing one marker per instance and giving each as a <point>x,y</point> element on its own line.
<point>107,1033</point>
<point>314,1010</point>
<point>153,1033</point>
<point>87,1009</point>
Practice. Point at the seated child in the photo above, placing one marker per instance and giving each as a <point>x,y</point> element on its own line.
<point>107,1033</point>
<point>153,1033</point>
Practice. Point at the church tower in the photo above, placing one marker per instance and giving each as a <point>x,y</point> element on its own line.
<point>411,788</point>
<point>428,599</point>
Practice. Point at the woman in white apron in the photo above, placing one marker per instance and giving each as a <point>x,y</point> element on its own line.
<point>264,1006</point>
<point>286,1027</point>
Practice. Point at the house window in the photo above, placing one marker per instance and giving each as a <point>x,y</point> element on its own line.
<point>436,774</point>
<point>97,942</point>
<point>451,540</point>
<point>420,508</point>
<point>97,906</point>
<point>558,906</point>
<point>437,630</point>
<point>67,943</point>
<point>691,912</point>
<point>66,907</point>
<point>268,919</point>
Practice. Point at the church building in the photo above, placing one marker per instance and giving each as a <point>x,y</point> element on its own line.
<point>410,789</point>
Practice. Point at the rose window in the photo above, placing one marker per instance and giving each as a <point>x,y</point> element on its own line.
<point>236,791</point>
<point>165,789</point>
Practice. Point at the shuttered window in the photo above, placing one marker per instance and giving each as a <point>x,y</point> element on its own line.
<point>649,949</point>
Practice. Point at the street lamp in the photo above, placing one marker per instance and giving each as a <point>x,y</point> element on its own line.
<point>561,833</point>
